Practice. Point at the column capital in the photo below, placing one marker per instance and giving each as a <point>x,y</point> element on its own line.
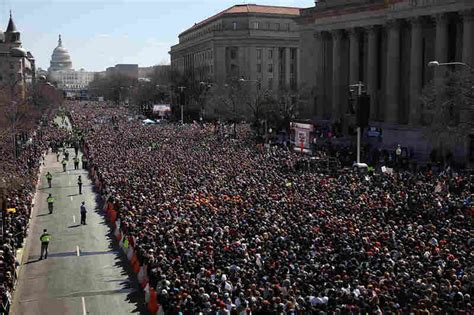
<point>372,29</point>
<point>440,18</point>
<point>467,15</point>
<point>354,31</point>
<point>415,21</point>
<point>337,34</point>
<point>393,24</point>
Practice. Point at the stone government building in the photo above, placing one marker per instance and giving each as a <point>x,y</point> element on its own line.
<point>387,45</point>
<point>72,82</point>
<point>256,42</point>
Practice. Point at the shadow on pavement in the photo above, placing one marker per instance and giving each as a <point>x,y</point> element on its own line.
<point>73,226</point>
<point>42,215</point>
<point>32,261</point>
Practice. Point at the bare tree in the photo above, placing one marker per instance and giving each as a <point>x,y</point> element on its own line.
<point>449,106</point>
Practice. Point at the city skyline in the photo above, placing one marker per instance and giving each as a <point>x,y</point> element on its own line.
<point>94,32</point>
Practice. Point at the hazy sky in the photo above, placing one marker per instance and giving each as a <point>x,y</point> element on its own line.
<point>102,33</point>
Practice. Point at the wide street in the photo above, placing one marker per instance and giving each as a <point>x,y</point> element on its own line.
<point>84,272</point>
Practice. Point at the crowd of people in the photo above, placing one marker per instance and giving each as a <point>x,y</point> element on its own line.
<point>222,226</point>
<point>19,168</point>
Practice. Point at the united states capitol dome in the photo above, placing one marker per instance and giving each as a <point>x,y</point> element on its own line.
<point>60,59</point>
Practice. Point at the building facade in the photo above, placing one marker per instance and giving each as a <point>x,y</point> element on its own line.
<point>249,41</point>
<point>72,82</point>
<point>17,66</point>
<point>129,70</point>
<point>386,44</point>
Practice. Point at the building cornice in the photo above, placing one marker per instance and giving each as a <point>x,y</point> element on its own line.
<point>356,16</point>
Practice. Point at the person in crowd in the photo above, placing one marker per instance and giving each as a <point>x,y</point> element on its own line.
<point>64,164</point>
<point>49,178</point>
<point>76,162</point>
<point>50,201</point>
<point>84,162</point>
<point>83,211</point>
<point>44,239</point>
<point>79,184</point>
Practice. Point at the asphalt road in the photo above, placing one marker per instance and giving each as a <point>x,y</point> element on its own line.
<point>84,272</point>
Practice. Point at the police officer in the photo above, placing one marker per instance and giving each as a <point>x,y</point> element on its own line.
<point>76,163</point>
<point>79,183</point>
<point>44,239</point>
<point>84,162</point>
<point>49,177</point>
<point>83,213</point>
<point>50,201</point>
<point>66,155</point>
<point>58,154</point>
<point>76,148</point>
<point>64,163</point>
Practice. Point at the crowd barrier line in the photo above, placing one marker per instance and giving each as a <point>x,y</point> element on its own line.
<point>127,244</point>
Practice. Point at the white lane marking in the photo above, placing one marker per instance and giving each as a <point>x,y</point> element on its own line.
<point>69,182</point>
<point>74,219</point>
<point>71,198</point>
<point>77,251</point>
<point>84,312</point>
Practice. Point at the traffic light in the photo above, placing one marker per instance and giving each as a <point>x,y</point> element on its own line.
<point>363,110</point>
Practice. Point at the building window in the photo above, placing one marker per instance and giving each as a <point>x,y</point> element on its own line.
<point>270,83</point>
<point>270,67</point>
<point>270,53</point>
<point>259,68</point>
<point>255,25</point>
<point>233,53</point>
<point>259,54</point>
<point>288,27</point>
<point>234,25</point>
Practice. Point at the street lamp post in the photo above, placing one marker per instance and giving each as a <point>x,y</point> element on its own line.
<point>181,89</point>
<point>207,86</point>
<point>359,93</point>
<point>435,63</point>
<point>242,80</point>
<point>234,114</point>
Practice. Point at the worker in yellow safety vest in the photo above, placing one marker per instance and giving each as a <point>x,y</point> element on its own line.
<point>44,239</point>
<point>49,177</point>
<point>50,201</point>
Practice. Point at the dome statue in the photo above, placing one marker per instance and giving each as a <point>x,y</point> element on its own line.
<point>60,60</point>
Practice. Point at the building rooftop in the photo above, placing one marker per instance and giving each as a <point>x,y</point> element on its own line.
<point>247,8</point>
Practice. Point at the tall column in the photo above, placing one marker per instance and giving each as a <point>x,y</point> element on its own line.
<point>287,67</point>
<point>337,73</point>
<point>354,36</point>
<point>468,37</point>
<point>372,64</point>
<point>319,73</point>
<point>297,68</point>
<point>441,46</point>
<point>393,71</point>
<point>416,69</point>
